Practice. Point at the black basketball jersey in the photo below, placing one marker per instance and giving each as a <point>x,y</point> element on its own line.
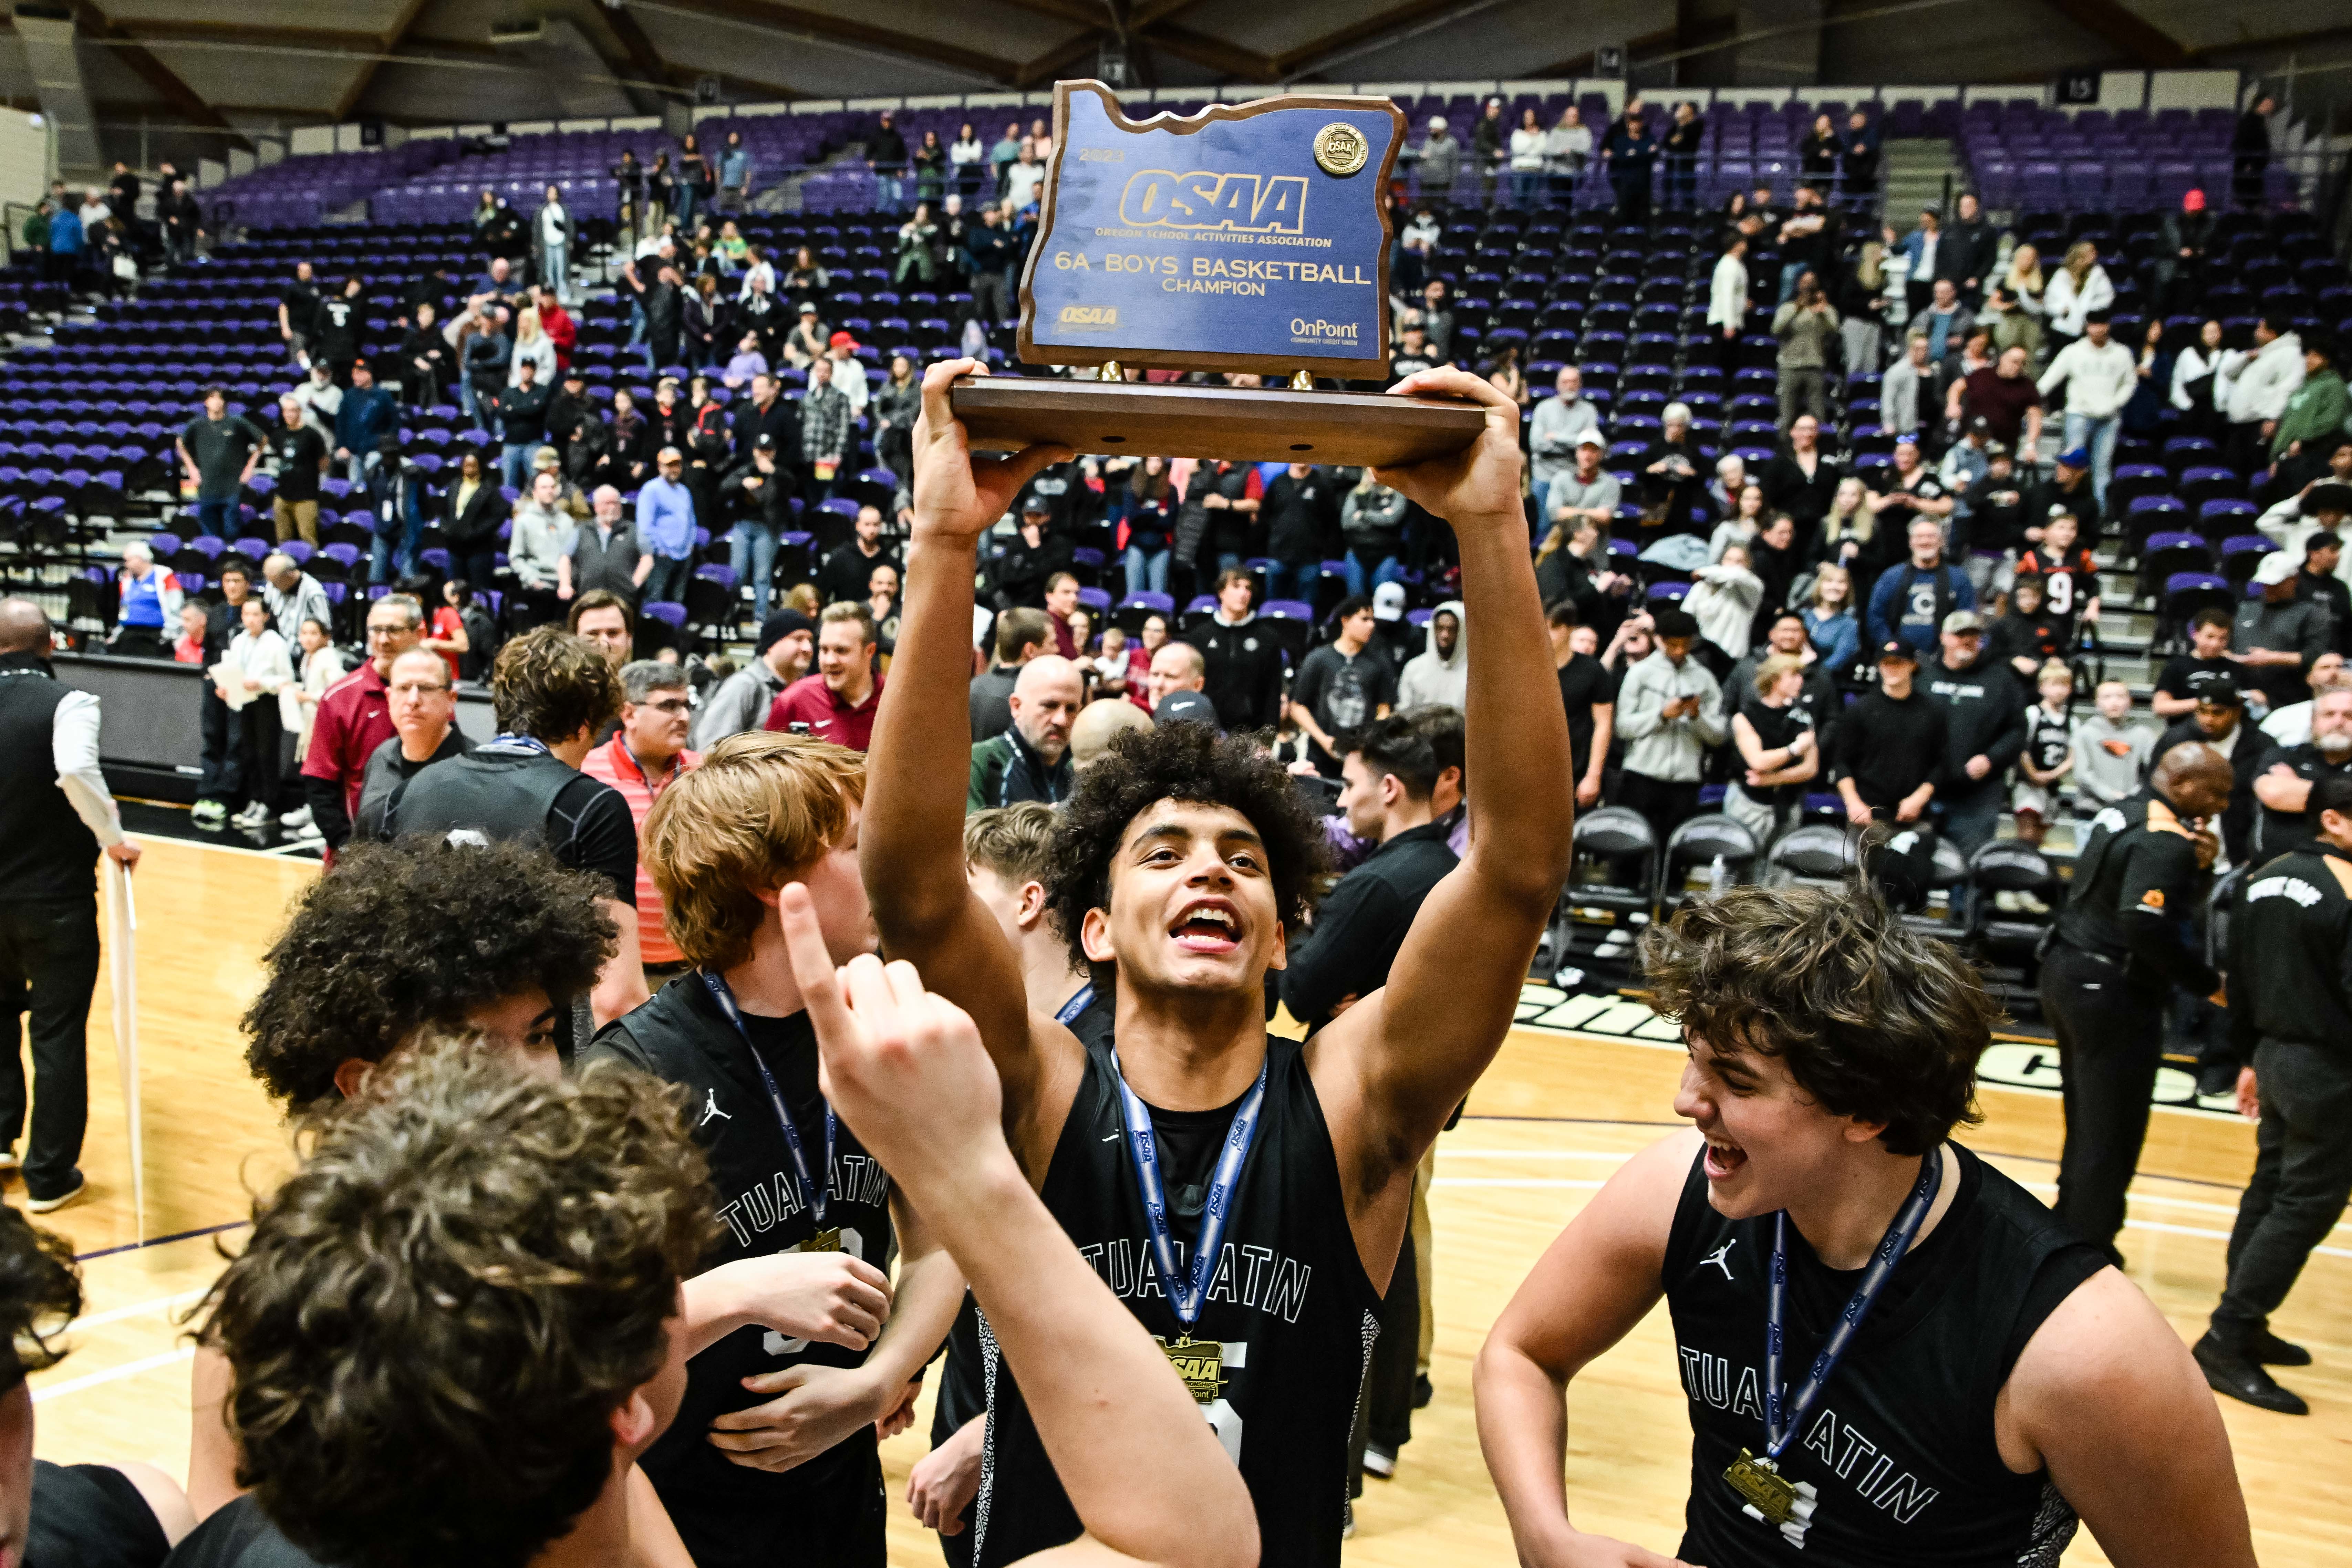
<point>2048,737</point>
<point>1900,1445</point>
<point>1289,1304</point>
<point>90,1516</point>
<point>729,1512</point>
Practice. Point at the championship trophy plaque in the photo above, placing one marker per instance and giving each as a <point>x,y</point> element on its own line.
<point>1249,237</point>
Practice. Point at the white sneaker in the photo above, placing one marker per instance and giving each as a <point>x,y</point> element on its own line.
<point>43,1205</point>
<point>298,817</point>
<point>2033,904</point>
<point>9,1160</point>
<point>1379,1461</point>
<point>2005,902</point>
<point>253,815</point>
<point>209,814</point>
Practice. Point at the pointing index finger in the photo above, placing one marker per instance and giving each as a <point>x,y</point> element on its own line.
<point>812,967</point>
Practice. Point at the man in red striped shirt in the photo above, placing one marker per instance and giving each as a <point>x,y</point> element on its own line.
<point>646,755</point>
<point>355,718</point>
<point>838,702</point>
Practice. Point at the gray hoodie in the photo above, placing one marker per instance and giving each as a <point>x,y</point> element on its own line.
<point>1431,678</point>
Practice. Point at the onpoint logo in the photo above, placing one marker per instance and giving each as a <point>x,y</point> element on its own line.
<point>1271,203</point>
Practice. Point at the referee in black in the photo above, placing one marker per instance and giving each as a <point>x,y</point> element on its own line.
<point>2291,1024</point>
<point>54,815</point>
<point>2122,943</point>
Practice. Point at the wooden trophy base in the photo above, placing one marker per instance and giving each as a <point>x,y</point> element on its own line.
<point>1240,424</point>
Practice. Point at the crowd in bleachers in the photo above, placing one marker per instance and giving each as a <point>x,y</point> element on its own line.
<point>1751,400</point>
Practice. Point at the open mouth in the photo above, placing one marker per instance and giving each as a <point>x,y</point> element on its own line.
<point>1723,1159</point>
<point>1209,928</point>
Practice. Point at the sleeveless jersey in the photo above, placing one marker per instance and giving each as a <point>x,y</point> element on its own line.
<point>2048,737</point>
<point>730,1514</point>
<point>1289,1303</point>
<point>1900,1444</point>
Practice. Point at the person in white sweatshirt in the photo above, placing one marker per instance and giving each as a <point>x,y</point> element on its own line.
<point>2099,375</point>
<point>1727,307</point>
<point>256,668</point>
<point>1440,674</point>
<point>2253,387</point>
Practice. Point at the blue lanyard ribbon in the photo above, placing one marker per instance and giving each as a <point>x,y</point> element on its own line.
<point>816,1196</point>
<point>1186,1290</point>
<point>512,743</point>
<point>1082,999</point>
<point>1891,1249</point>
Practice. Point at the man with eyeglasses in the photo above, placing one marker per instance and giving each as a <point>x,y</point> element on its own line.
<point>646,756</point>
<point>424,703</point>
<point>355,718</point>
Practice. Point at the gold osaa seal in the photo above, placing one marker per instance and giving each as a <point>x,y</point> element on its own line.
<point>1340,149</point>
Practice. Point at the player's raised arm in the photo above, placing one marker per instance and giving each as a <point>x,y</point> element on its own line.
<point>1147,1476</point>
<point>1422,1041</point>
<point>911,840</point>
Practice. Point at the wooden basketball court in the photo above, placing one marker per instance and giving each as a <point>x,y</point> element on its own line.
<point>1555,1116</point>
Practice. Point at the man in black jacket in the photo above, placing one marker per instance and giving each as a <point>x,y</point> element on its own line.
<point>1390,777</point>
<point>1964,252</point>
<point>2121,946</point>
<point>757,498</point>
<point>1034,554</point>
<point>522,422</point>
<point>847,570</point>
<point>991,249</point>
<point>1244,661</point>
<point>1301,513</point>
<point>2290,1023</point>
<point>767,413</point>
<point>1984,731</point>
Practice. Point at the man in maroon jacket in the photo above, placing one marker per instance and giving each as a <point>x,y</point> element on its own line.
<point>355,718</point>
<point>839,701</point>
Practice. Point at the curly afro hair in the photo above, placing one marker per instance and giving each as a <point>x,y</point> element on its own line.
<point>414,932</point>
<point>1185,762</point>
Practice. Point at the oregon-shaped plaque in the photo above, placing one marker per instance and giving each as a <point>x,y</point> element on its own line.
<point>1249,237</point>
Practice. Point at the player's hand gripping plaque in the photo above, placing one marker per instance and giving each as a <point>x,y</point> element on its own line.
<point>1249,238</point>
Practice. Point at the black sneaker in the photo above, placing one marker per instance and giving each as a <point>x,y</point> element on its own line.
<point>1422,1392</point>
<point>43,1205</point>
<point>2230,1371</point>
<point>1379,1461</point>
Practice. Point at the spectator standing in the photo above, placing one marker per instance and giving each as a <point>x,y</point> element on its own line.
<point>1684,139</point>
<point>2100,376</point>
<point>885,155</point>
<point>1984,731</point>
<point>147,601</point>
<point>646,756</point>
<point>1945,322</point>
<point>1301,514</point>
<point>1439,675</point>
<point>1568,148</point>
<point>248,679</point>
<point>757,496</point>
<point>848,570</point>
<point>2078,287</point>
<point>2252,388</point>
<point>423,698</point>
<point>2219,725</point>
<point>522,409</point>
<point>1372,521</point>
<point>550,230</point>
<point>218,451</point>
<point>1773,731</point>
<point>1919,248</point>
<point>1150,510</point>
<point>2250,153</point>
<point>785,649</point>
<point>826,432</point>
<point>2007,399</point>
<point>1965,258</point>
<point>540,536</point>
<point>1021,635</point>
<point>665,525</point>
<point>1906,392</point>
<point>1554,428</point>
<point>1669,713</point>
<point>2275,638</point>
<point>365,418</point>
<point>1909,602</point>
<point>1858,157</point>
<point>1242,662</point>
<point>354,718</point>
<point>1807,326</point>
<point>839,701</point>
<point>604,553</point>
<point>1440,161</point>
<point>1726,298</point>
<point>1587,692</point>
<point>2315,412</point>
<point>57,814</point>
<point>2111,753</point>
<point>472,510</point>
<point>1029,760</point>
<point>1891,744</point>
<point>2284,785</point>
<point>293,597</point>
<point>1340,686</point>
<point>299,455</point>
<point>1629,151</point>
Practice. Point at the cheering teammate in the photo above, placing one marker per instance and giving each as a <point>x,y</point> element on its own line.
<point>1180,867</point>
<point>1893,1353</point>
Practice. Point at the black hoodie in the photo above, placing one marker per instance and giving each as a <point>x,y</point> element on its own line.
<point>1984,707</point>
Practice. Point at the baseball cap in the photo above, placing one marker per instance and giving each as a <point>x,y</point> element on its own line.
<point>783,624</point>
<point>2075,457</point>
<point>841,340</point>
<point>1996,450</point>
<point>2273,569</point>
<point>1908,438</point>
<point>1961,621</point>
<point>808,307</point>
<point>1592,439</point>
<point>362,364</point>
<point>1895,648</point>
<point>1036,503</point>
<point>1185,706</point>
<point>1979,426</point>
<point>1387,602</point>
<point>2216,685</point>
<point>766,443</point>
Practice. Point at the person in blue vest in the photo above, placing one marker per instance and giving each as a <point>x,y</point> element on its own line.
<point>148,601</point>
<point>64,243</point>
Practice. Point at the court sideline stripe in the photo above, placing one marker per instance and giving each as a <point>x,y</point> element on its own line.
<point>161,1240</point>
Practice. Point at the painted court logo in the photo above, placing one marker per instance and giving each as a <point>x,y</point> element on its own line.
<point>1089,316</point>
<point>1247,203</point>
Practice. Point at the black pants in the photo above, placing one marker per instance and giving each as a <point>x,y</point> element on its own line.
<point>139,642</point>
<point>1665,803</point>
<point>2110,1043</point>
<point>258,741</point>
<point>223,772</point>
<point>2303,1174</point>
<point>847,1532</point>
<point>49,966</point>
<point>1632,187</point>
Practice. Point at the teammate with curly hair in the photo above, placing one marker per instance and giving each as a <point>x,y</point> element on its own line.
<point>127,1515</point>
<point>1978,1375</point>
<point>497,937</point>
<point>1181,871</point>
